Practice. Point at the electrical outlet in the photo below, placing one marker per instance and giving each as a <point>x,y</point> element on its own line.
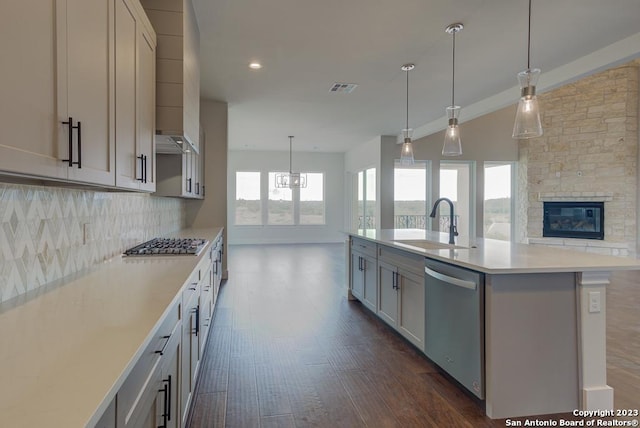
<point>594,302</point>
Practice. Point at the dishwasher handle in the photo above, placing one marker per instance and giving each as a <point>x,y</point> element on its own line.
<point>471,285</point>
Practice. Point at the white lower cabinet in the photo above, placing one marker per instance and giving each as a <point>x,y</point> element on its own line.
<point>357,275</point>
<point>168,403</point>
<point>388,304</point>
<point>390,282</point>
<point>411,306</point>
<point>402,294</point>
<point>190,351</point>
<point>138,398</point>
<point>363,276</point>
<point>158,392</point>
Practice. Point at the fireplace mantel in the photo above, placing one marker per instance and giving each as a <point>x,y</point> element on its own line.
<point>575,196</point>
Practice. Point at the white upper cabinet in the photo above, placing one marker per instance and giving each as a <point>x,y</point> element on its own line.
<point>78,90</point>
<point>85,70</point>
<point>28,144</point>
<point>129,171</point>
<point>134,98</point>
<point>146,91</point>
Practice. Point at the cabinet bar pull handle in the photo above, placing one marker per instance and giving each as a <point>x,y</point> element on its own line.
<point>168,411</point>
<point>70,160</point>
<point>70,123</point>
<point>165,404</point>
<point>144,168</point>
<point>71,128</point>
<point>141,179</point>
<point>161,352</point>
<point>79,128</point>
<point>203,190</point>
<point>188,185</point>
<point>197,320</point>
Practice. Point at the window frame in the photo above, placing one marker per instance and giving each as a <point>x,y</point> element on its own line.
<point>264,201</point>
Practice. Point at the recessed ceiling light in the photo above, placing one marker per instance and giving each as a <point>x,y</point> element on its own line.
<point>255,65</point>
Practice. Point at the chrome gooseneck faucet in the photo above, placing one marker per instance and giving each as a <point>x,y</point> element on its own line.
<point>453,229</point>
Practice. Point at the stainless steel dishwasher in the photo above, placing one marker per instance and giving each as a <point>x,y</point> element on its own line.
<point>454,322</point>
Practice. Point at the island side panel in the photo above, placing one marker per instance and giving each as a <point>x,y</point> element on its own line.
<point>531,344</point>
<point>591,292</point>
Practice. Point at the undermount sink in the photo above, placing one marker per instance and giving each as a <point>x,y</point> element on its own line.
<point>427,245</point>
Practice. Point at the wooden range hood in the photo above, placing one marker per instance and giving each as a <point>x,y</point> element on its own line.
<point>177,75</point>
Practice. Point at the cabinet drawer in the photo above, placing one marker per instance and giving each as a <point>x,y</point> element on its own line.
<point>403,259</point>
<point>133,394</point>
<point>363,246</point>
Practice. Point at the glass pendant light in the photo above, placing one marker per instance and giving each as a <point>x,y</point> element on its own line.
<point>406,155</point>
<point>527,124</point>
<point>452,145</point>
<point>291,180</point>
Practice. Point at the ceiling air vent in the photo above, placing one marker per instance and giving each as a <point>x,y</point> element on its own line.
<point>346,88</point>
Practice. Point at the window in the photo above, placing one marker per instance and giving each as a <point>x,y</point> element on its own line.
<point>312,199</point>
<point>370,200</point>
<point>255,190</point>
<point>280,205</point>
<point>497,200</point>
<point>248,207</point>
<point>456,184</point>
<point>410,196</point>
<point>366,202</point>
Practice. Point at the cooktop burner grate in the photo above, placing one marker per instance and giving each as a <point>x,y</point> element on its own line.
<point>168,247</point>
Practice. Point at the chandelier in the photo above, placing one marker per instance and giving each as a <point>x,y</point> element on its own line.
<point>291,180</point>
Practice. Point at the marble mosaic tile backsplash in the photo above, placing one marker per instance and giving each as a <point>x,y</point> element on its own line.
<point>47,233</point>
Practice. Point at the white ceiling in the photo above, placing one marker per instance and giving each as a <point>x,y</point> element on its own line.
<point>305,46</point>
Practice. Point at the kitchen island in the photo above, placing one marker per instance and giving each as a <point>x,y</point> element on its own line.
<point>541,314</point>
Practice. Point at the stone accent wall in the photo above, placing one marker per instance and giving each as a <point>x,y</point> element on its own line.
<point>43,236</point>
<point>589,147</point>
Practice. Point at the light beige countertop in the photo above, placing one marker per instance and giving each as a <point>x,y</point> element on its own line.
<point>492,256</point>
<point>65,352</point>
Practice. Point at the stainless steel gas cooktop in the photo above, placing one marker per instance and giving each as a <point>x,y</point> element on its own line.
<point>168,247</point>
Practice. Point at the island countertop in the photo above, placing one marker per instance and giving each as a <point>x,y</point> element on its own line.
<point>493,256</point>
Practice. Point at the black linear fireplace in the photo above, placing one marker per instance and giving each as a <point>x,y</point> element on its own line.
<point>574,220</point>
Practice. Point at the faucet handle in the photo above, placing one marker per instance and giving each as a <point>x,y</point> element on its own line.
<point>454,228</point>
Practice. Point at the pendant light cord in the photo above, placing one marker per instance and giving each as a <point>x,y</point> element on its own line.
<point>407,123</point>
<point>453,66</point>
<point>529,40</point>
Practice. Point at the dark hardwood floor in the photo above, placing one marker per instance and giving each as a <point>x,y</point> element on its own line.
<point>287,349</point>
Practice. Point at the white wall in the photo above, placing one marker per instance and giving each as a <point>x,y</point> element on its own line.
<point>332,164</point>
